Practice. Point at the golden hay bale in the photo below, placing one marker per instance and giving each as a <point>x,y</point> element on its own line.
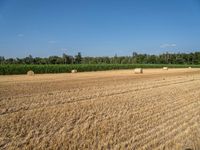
<point>138,70</point>
<point>74,71</point>
<point>30,73</point>
<point>165,68</point>
<point>189,67</point>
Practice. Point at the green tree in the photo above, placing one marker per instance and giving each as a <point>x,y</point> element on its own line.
<point>78,58</point>
<point>2,60</point>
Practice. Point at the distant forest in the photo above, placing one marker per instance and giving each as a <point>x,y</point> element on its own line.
<point>135,58</point>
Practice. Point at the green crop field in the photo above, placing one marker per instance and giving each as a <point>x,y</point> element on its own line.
<point>39,69</point>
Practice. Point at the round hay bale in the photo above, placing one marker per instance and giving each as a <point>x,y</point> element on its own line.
<point>189,67</point>
<point>30,73</point>
<point>138,70</point>
<point>165,68</point>
<point>74,71</point>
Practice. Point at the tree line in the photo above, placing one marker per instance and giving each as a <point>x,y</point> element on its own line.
<point>135,58</point>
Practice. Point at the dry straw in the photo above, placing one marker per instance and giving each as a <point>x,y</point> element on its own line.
<point>165,68</point>
<point>138,70</point>
<point>30,73</point>
<point>74,71</point>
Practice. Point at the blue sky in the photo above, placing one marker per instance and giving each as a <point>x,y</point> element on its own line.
<point>98,27</point>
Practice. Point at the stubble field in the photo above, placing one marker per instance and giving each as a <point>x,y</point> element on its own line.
<point>159,109</point>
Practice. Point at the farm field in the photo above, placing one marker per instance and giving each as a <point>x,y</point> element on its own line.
<point>159,109</point>
<point>15,69</point>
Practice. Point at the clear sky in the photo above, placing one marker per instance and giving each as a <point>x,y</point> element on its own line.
<point>98,27</point>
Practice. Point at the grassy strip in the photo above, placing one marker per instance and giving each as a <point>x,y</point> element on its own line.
<point>39,69</point>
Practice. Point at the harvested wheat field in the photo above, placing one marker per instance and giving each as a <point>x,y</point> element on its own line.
<point>101,110</point>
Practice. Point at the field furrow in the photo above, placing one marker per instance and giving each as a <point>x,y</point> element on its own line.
<point>101,110</point>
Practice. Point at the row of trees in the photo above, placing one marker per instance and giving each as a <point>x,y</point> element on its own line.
<point>165,58</point>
